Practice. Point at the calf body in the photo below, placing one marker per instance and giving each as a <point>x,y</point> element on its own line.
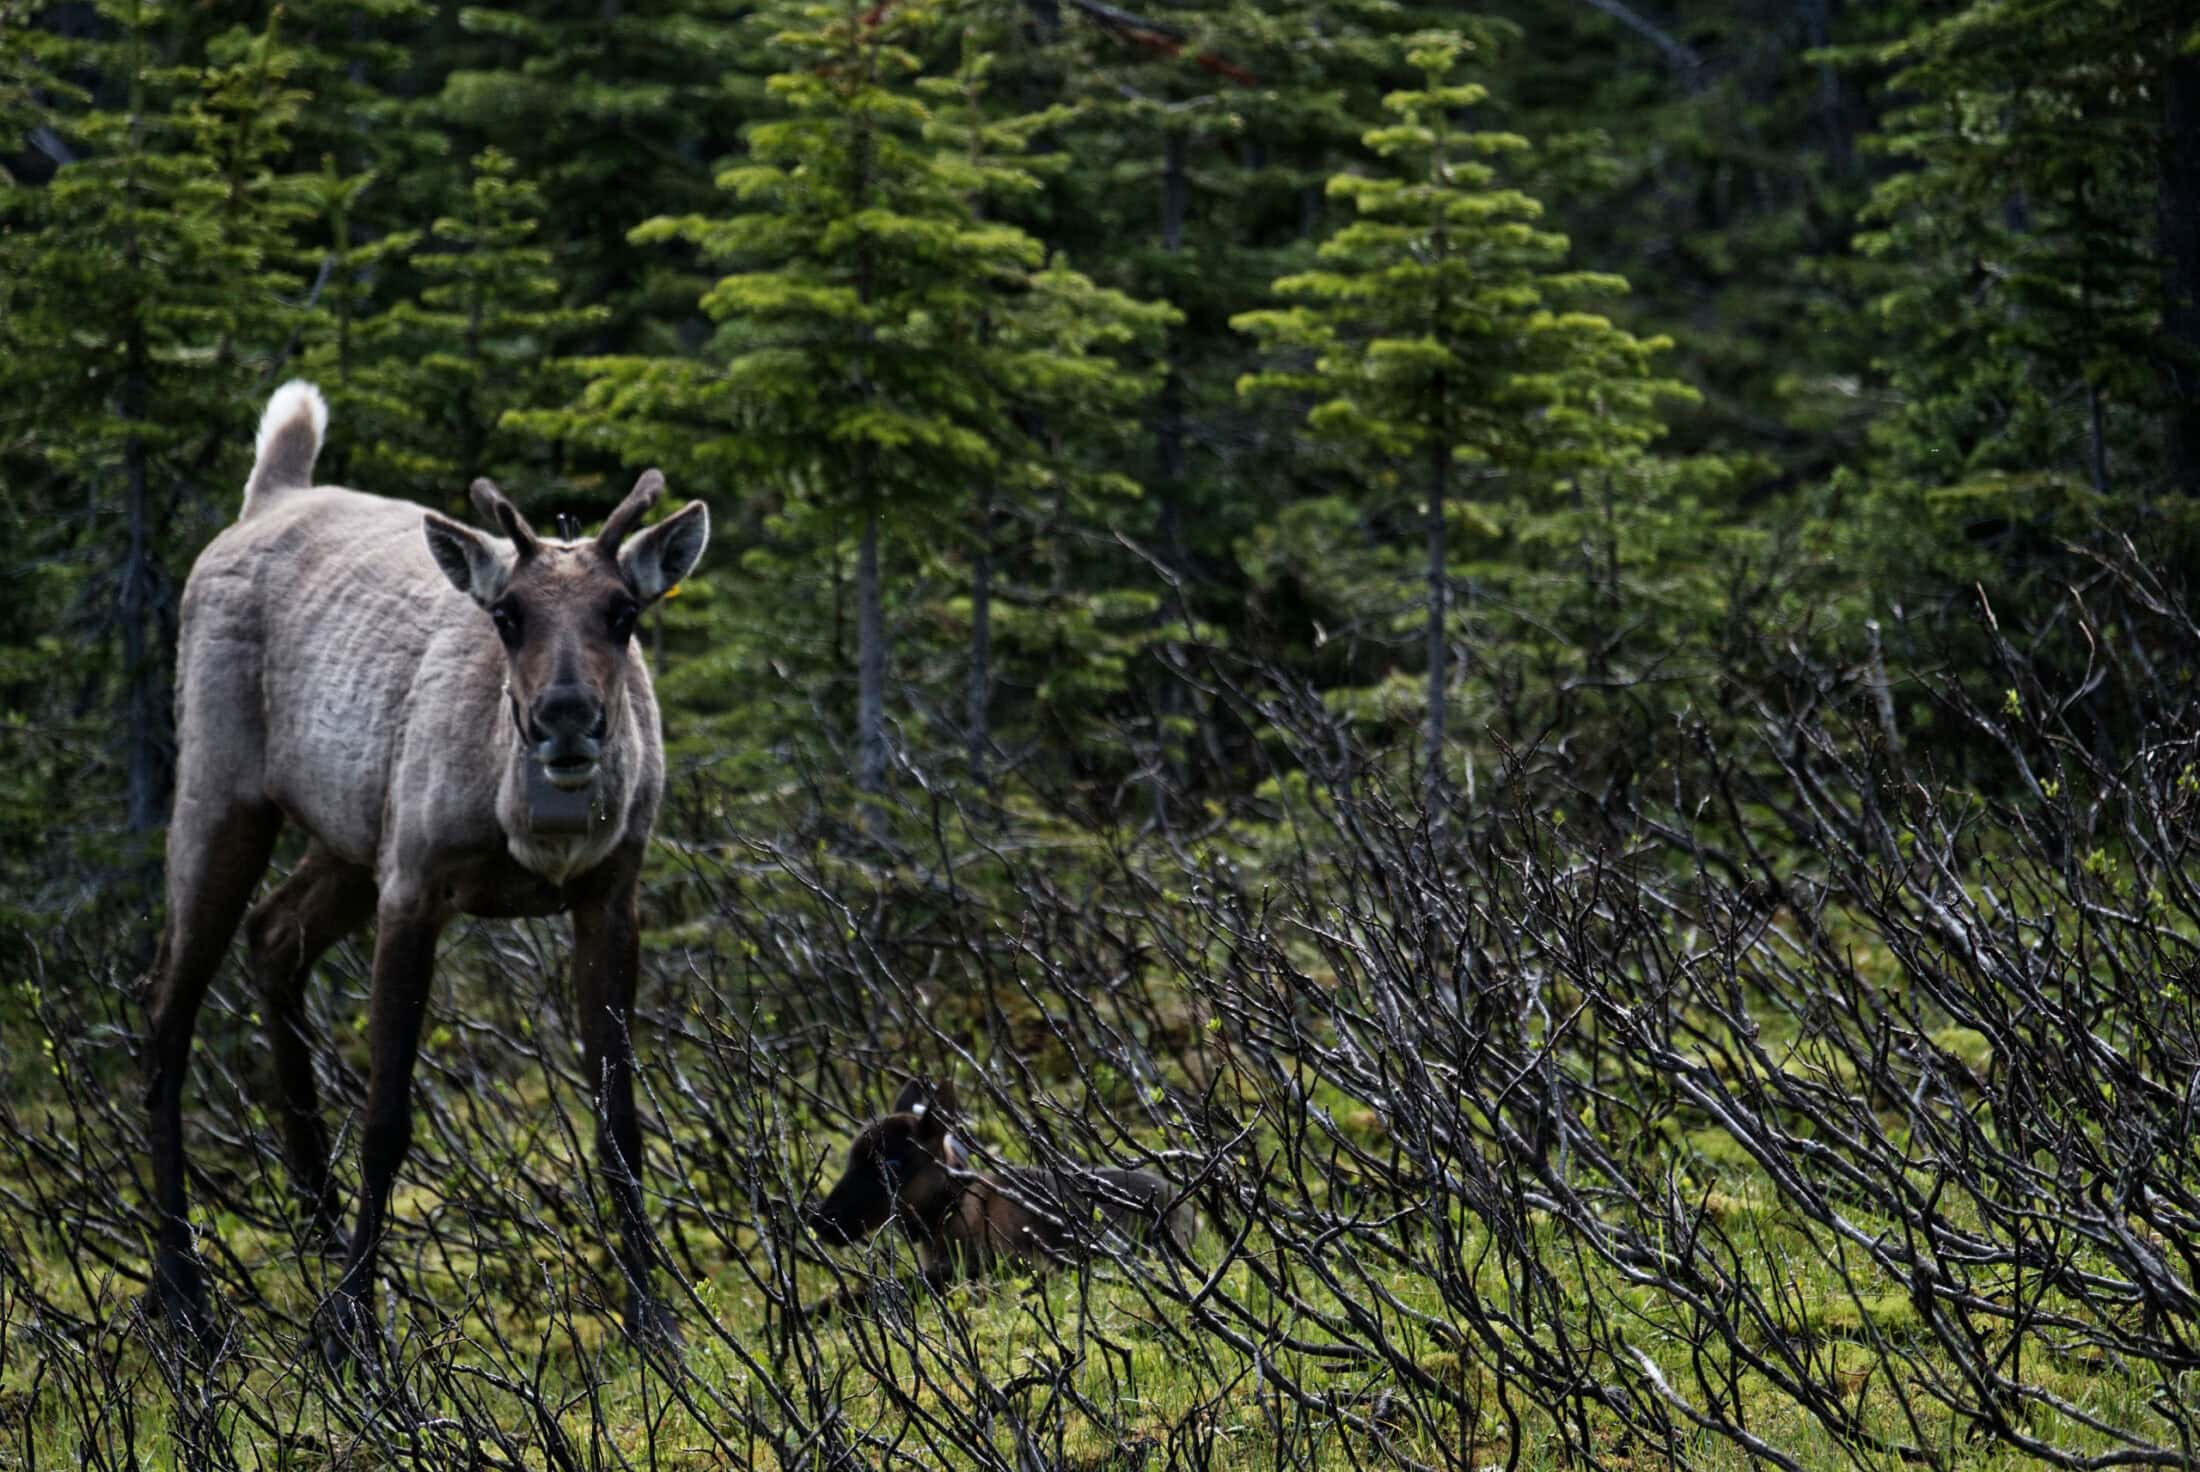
<point>909,1169</point>
<point>462,725</point>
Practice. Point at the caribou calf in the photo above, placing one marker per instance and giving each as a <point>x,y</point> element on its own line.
<point>907,1168</point>
<point>462,724</point>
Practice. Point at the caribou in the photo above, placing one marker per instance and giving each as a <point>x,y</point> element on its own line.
<point>909,1167</point>
<point>461,724</point>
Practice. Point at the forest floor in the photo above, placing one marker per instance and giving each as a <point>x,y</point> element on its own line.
<point>1366,1288</point>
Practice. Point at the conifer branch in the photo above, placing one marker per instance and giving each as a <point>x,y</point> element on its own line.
<point>1155,35</point>
<point>1685,62</point>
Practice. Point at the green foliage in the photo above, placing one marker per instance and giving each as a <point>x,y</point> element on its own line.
<point>1712,153</point>
<point>615,113</point>
<point>1438,319</point>
<point>145,291</point>
<point>858,263</point>
<point>1439,336</point>
<point>933,301</point>
<point>2020,284</point>
<point>883,344</point>
<point>962,274</point>
<point>423,384</point>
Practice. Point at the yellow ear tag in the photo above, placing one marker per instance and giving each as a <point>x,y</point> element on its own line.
<point>673,591</point>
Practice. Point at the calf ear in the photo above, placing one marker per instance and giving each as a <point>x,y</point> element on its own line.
<point>933,1105</point>
<point>475,566</point>
<point>923,1096</point>
<point>654,560</point>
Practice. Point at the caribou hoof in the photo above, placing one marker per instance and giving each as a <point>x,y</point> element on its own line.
<point>178,1298</point>
<point>345,1332</point>
<point>650,1324</point>
<point>190,1326</point>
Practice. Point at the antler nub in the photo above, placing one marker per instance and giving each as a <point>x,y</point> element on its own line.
<point>622,521</point>
<point>499,512</point>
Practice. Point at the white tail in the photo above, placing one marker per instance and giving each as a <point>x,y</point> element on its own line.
<point>288,444</point>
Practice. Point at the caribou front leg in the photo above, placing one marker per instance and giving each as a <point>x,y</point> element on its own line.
<point>404,964</point>
<point>606,964</point>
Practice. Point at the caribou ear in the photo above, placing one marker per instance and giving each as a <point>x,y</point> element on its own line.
<point>629,514</point>
<point>657,559</point>
<point>475,566</point>
<point>504,516</point>
<point>932,1103</point>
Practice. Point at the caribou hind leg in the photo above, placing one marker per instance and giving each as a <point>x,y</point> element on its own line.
<point>322,901</point>
<point>404,965</point>
<point>216,852</point>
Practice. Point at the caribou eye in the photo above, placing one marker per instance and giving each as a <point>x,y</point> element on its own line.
<point>506,617</point>
<point>622,622</point>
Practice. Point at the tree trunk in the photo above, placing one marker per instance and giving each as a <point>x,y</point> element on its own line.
<point>2180,225</point>
<point>981,637</point>
<point>870,670</point>
<point>1835,123</point>
<point>1439,465</point>
<point>147,752</point>
<point>1170,431</point>
<point>1169,446</point>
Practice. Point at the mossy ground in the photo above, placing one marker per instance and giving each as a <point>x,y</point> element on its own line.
<point>502,1350</point>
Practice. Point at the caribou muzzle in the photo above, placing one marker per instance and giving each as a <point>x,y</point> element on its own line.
<point>566,727</point>
<point>829,1227</point>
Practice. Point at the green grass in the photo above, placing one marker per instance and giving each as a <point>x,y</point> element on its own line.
<point>496,1278</point>
<point>952,1353</point>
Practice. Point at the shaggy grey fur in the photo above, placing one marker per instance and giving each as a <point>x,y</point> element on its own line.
<point>328,663</point>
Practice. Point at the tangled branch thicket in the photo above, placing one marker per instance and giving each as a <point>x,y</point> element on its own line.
<point>1785,1092</point>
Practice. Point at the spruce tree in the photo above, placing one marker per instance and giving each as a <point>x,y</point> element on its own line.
<point>1711,153</point>
<point>1202,136</point>
<point>617,112</point>
<point>876,342</point>
<point>2022,295</point>
<point>1046,344</point>
<point>144,307</point>
<point>424,384</point>
<point>1435,343</point>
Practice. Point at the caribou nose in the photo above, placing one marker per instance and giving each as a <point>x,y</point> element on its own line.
<point>826,1225</point>
<point>566,724</point>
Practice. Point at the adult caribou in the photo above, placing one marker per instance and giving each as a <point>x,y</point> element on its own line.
<point>462,725</point>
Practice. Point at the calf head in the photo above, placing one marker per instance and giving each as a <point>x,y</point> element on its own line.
<point>565,613</point>
<point>902,1166</point>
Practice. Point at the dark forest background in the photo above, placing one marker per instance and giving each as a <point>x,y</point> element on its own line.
<point>1029,354</point>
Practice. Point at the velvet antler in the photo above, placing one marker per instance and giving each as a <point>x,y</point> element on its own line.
<point>504,516</point>
<point>623,520</point>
